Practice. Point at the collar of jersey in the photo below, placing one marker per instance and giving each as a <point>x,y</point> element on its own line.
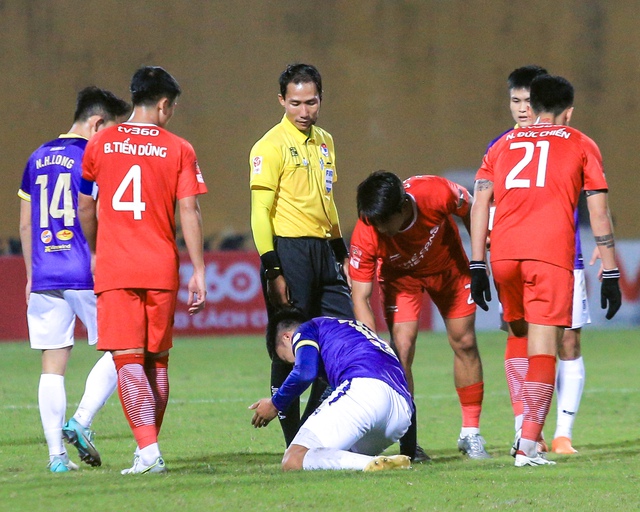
<point>71,135</point>
<point>300,137</point>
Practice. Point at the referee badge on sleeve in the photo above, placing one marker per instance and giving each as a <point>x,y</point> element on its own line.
<point>257,165</point>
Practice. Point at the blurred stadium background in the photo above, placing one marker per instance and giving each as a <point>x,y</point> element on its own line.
<point>411,86</point>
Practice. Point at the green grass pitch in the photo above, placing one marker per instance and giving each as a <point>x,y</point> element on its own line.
<point>217,461</point>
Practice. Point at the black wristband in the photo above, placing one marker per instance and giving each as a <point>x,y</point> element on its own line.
<point>474,265</point>
<point>271,273</point>
<point>614,273</point>
<point>270,260</point>
<point>339,248</point>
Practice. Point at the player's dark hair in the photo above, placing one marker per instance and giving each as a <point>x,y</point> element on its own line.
<point>379,197</point>
<point>284,319</point>
<point>152,83</point>
<point>300,74</point>
<point>552,94</point>
<point>521,78</point>
<point>93,101</point>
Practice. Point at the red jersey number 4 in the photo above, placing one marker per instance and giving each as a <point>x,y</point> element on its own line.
<point>132,179</point>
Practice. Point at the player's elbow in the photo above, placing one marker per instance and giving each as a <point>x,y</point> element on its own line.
<point>306,377</point>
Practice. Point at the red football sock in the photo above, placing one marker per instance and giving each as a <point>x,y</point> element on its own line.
<point>471,404</point>
<point>157,374</point>
<point>537,393</point>
<point>516,363</point>
<point>136,398</point>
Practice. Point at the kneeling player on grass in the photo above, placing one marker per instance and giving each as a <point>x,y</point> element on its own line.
<point>370,408</point>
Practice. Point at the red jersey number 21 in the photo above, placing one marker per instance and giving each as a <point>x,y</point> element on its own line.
<point>132,179</point>
<point>512,180</point>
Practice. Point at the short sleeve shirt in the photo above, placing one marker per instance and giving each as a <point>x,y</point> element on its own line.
<point>141,171</point>
<point>302,171</point>
<point>60,258</point>
<point>537,174</point>
<point>430,245</point>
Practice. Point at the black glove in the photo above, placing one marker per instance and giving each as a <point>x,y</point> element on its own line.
<point>480,287</point>
<point>609,292</point>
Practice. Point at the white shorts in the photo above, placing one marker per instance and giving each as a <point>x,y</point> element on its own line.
<point>580,316</point>
<point>363,415</point>
<point>580,312</point>
<point>51,316</point>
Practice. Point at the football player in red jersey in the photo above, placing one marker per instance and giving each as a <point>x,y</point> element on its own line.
<point>532,241</point>
<point>142,172</point>
<point>406,238</point>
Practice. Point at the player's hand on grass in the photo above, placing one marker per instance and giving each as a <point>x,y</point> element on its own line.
<point>480,287</point>
<point>610,292</point>
<point>265,411</point>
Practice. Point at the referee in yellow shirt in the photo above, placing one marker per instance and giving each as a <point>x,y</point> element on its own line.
<point>294,220</point>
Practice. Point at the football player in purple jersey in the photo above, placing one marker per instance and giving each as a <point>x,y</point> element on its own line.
<point>369,409</point>
<point>59,279</point>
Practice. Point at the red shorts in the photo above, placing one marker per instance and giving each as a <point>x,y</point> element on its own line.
<point>136,318</point>
<point>450,291</point>
<point>539,292</point>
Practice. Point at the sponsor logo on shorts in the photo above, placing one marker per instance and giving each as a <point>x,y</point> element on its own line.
<point>46,236</point>
<point>64,235</point>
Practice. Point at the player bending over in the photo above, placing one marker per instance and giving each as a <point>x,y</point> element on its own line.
<point>370,408</point>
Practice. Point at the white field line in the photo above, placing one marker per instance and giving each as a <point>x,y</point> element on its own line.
<point>209,401</point>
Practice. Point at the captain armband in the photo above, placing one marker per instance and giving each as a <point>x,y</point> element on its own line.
<point>88,188</point>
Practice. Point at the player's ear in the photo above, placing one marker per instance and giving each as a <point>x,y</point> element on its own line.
<point>568,114</point>
<point>164,105</point>
<point>96,122</point>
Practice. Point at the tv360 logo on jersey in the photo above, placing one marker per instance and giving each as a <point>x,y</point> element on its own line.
<point>138,130</point>
<point>239,282</point>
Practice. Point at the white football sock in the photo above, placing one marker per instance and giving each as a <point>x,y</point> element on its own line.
<point>149,454</point>
<point>330,458</point>
<point>101,383</point>
<point>467,431</point>
<point>518,422</point>
<point>569,386</point>
<point>52,403</point>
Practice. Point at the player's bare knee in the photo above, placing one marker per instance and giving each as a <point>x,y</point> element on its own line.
<point>465,345</point>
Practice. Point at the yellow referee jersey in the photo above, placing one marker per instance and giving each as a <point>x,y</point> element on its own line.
<point>301,171</point>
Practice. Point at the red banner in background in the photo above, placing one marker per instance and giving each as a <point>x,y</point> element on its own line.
<point>13,303</point>
<point>235,304</point>
<point>234,298</point>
